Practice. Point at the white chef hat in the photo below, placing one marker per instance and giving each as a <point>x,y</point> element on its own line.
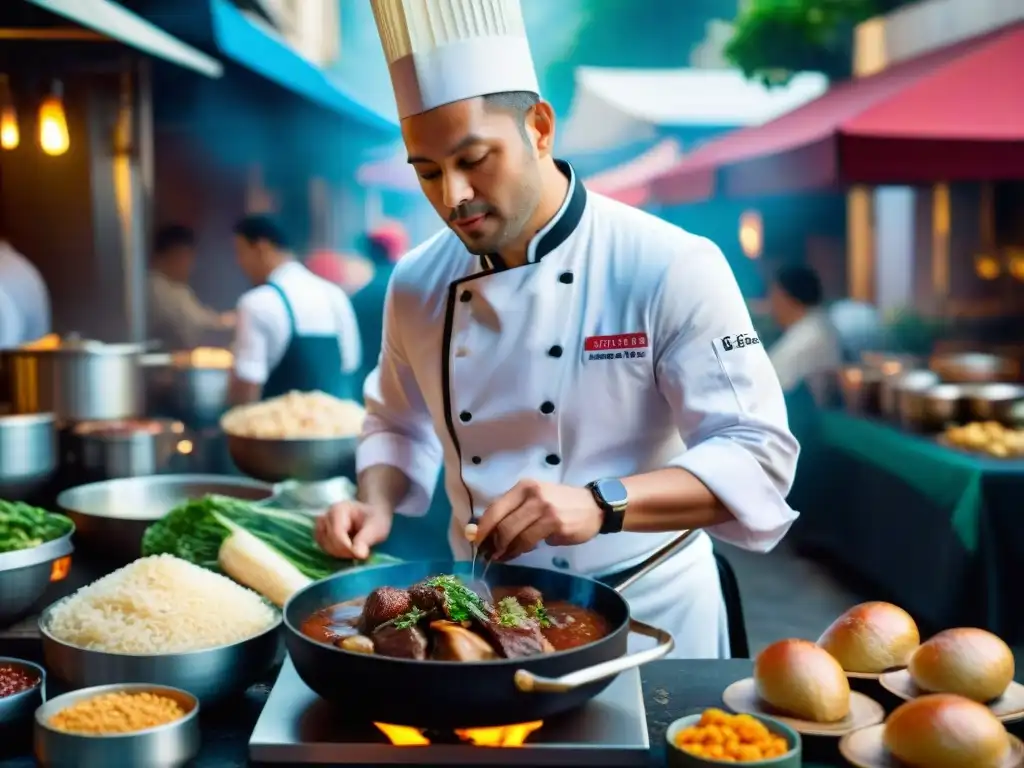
<point>441,51</point>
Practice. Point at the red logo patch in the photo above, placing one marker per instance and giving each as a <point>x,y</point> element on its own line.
<point>617,342</point>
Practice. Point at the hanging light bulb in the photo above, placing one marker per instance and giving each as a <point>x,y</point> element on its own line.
<point>53,125</point>
<point>10,136</point>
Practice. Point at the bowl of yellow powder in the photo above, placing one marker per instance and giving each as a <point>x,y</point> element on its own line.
<point>127,724</point>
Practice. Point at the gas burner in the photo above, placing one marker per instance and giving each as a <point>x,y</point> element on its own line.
<point>299,728</point>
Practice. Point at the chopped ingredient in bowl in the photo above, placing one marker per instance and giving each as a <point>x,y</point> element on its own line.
<point>296,416</point>
<point>120,712</point>
<point>23,526</point>
<point>159,605</point>
<point>15,680</point>
<point>733,738</point>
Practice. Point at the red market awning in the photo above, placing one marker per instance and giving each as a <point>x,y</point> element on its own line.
<point>956,114</point>
<point>630,181</point>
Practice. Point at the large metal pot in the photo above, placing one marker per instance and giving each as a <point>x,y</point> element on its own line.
<point>112,449</point>
<point>28,453</point>
<point>77,381</point>
<point>189,386</point>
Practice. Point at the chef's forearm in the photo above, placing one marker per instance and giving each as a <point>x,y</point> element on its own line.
<point>671,499</point>
<point>383,486</point>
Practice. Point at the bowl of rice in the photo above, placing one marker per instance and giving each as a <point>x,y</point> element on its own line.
<point>163,621</point>
<point>304,436</point>
<point>136,724</point>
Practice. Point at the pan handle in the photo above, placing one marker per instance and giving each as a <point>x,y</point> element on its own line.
<point>527,682</point>
<point>661,555</point>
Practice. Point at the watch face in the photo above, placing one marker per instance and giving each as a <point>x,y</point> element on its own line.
<point>613,492</point>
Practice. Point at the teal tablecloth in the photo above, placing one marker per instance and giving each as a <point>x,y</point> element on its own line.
<point>932,528</point>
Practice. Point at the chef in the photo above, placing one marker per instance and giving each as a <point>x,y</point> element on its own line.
<point>295,331</point>
<point>176,316</point>
<point>587,374</point>
<point>24,299</point>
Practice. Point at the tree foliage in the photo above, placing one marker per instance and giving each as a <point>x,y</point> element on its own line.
<point>774,39</point>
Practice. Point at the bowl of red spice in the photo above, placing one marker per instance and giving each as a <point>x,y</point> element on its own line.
<point>21,689</point>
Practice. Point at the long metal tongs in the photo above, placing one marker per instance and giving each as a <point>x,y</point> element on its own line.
<point>478,585</point>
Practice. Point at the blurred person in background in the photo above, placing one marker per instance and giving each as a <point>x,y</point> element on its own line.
<point>24,299</point>
<point>176,316</point>
<point>295,331</point>
<point>859,326</point>
<point>809,348</point>
<point>384,246</point>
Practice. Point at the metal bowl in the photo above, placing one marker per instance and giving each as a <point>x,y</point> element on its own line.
<point>112,516</point>
<point>25,574</point>
<point>166,746</point>
<point>974,368</point>
<point>20,707</point>
<point>209,674</point>
<point>309,461</point>
<point>946,404</point>
<point>28,453</point>
<point>998,402</point>
<point>860,387</point>
<point>181,386</point>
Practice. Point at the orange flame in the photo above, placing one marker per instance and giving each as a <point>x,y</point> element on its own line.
<point>60,569</point>
<point>497,736</point>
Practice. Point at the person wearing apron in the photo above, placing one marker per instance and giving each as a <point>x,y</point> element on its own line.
<point>311,362</point>
<point>295,331</point>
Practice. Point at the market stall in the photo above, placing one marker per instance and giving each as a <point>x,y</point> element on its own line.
<point>914,487</point>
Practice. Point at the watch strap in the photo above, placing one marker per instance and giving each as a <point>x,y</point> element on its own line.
<point>613,516</point>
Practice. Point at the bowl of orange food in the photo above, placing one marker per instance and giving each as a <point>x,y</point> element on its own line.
<point>716,737</point>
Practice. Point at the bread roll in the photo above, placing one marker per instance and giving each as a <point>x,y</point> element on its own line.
<point>946,731</point>
<point>969,662</point>
<point>799,679</point>
<point>872,637</point>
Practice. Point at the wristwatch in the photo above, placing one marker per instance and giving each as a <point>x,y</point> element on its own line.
<point>612,498</point>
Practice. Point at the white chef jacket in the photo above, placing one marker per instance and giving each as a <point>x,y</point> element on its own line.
<point>808,350</point>
<point>263,329</point>
<point>623,340</point>
<point>24,300</point>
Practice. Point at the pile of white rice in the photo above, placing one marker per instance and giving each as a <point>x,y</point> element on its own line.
<point>160,605</point>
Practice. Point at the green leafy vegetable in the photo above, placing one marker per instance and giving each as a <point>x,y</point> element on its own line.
<point>196,530</point>
<point>460,602</point>
<point>23,526</point>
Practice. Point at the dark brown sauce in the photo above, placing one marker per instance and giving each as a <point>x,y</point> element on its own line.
<point>335,622</point>
<point>572,625</point>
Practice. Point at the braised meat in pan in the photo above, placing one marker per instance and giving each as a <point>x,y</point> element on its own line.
<point>444,620</point>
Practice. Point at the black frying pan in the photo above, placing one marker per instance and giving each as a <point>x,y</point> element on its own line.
<point>445,694</point>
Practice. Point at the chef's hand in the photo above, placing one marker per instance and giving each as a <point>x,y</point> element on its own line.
<point>533,512</point>
<point>350,528</point>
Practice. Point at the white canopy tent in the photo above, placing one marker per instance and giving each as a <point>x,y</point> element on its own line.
<point>616,107</point>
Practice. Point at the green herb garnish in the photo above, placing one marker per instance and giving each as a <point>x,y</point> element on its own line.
<point>511,613</point>
<point>540,614</point>
<point>460,602</point>
<point>409,619</point>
